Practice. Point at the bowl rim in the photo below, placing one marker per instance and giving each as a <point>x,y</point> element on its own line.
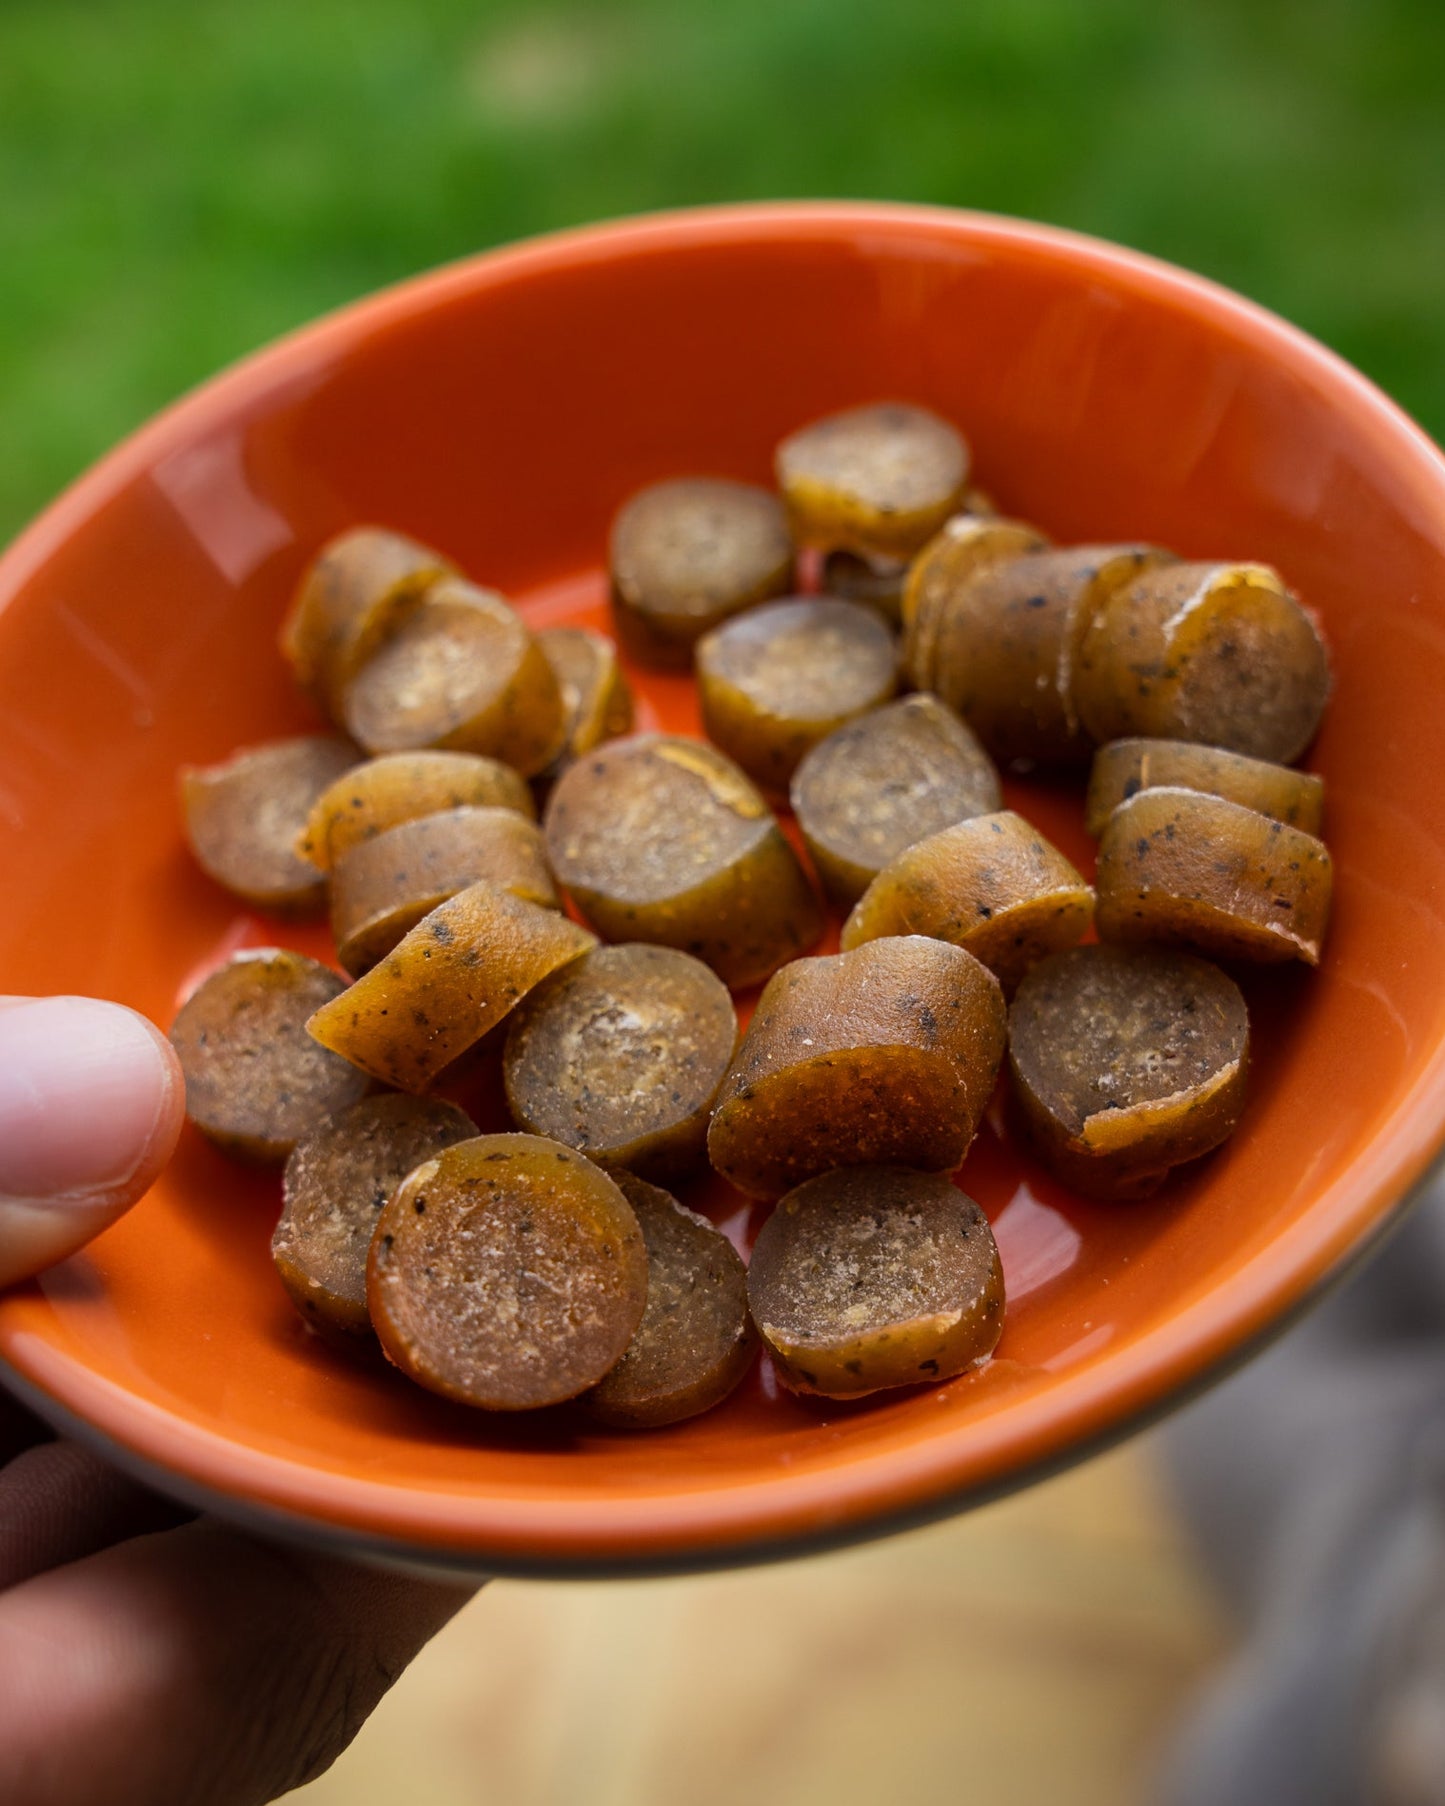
<point>788,1512</point>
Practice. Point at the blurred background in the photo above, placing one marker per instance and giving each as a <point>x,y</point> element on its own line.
<point>181,180</point>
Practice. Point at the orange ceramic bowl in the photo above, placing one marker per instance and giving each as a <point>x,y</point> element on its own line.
<point>502,409</point>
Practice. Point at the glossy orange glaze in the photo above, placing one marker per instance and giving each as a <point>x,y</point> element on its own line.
<point>501,410</point>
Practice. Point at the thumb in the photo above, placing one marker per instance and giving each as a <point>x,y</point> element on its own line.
<point>91,1101</point>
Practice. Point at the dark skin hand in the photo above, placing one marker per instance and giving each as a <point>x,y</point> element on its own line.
<point>149,1657</point>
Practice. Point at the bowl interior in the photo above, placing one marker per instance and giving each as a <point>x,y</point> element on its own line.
<point>502,411</point>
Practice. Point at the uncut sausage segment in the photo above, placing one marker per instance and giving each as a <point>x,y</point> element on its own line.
<point>885,1055</point>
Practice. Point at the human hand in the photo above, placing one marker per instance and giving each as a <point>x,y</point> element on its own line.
<point>148,1657</point>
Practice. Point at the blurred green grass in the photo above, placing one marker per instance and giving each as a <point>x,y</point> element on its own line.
<point>182,179</point>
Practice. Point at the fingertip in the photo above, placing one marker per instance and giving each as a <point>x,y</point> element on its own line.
<point>91,1104</point>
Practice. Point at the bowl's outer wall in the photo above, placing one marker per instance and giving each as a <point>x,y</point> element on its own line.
<point>502,410</point>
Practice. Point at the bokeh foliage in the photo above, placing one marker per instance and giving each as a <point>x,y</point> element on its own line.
<point>182,179</point>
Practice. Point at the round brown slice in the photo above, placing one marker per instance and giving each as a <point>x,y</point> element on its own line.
<point>255,1080</point>
<point>508,1273</point>
<point>688,553</point>
<point>1008,639</point>
<point>1182,868</point>
<point>1216,653</point>
<point>780,678</point>
<point>1126,1061</point>
<point>353,593</point>
<point>620,1055</point>
<point>461,673</point>
<point>991,884</point>
<point>880,480</point>
<point>883,1056</point>
<point>1125,767</point>
<point>942,571</point>
<point>878,784</point>
<point>695,1340</point>
<point>382,793</point>
<point>337,1180</point>
<point>663,839</point>
<point>596,702</point>
<point>381,888</point>
<point>243,818</point>
<point>455,976</point>
<point>875,1276</point>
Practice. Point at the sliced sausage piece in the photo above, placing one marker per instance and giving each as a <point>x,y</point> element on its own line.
<point>381,888</point>
<point>596,702</point>
<point>1217,653</point>
<point>455,976</point>
<point>620,1055</point>
<point>780,678</point>
<point>1124,767</point>
<point>255,1080</point>
<point>880,480</point>
<point>350,596</point>
<point>688,553</point>
<point>877,785</point>
<point>875,1276</point>
<point>663,839</point>
<point>337,1180</point>
<point>382,793</point>
<point>942,571</point>
<point>882,1056</point>
<point>1008,639</point>
<point>992,885</point>
<point>243,818</point>
<point>1126,1062</point>
<point>695,1340</point>
<point>460,673</point>
<point>508,1273</point>
<point>1184,869</point>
